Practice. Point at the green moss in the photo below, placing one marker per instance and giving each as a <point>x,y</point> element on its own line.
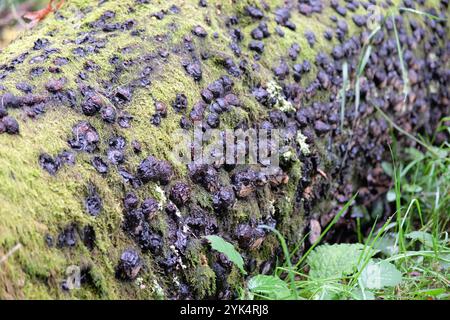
<point>235,278</point>
<point>199,275</point>
<point>203,280</point>
<point>246,209</point>
<point>233,118</point>
<point>201,197</point>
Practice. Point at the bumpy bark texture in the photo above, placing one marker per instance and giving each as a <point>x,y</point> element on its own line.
<point>90,99</point>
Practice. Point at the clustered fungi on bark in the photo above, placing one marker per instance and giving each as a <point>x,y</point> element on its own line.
<point>340,155</point>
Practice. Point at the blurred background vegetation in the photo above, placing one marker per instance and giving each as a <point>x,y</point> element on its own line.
<point>11,22</point>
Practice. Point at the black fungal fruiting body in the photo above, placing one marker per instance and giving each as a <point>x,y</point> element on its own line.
<point>130,201</point>
<point>205,175</point>
<point>180,193</point>
<point>254,12</point>
<point>257,46</point>
<point>150,241</point>
<point>55,86</point>
<point>53,164</point>
<point>85,137</point>
<point>243,182</point>
<point>93,203</point>
<point>150,208</point>
<point>180,103</point>
<point>199,31</point>
<point>129,265</point>
<point>49,164</point>
<point>194,69</point>
<point>311,38</point>
<point>224,199</point>
<point>100,165</point>
<point>92,105</point>
<point>161,108</point>
<point>152,169</point>
<point>108,114</point>
<point>136,225</point>
<point>246,235</point>
<point>67,237</point>
<point>89,237</point>
<point>10,125</point>
<point>3,112</point>
<point>201,222</point>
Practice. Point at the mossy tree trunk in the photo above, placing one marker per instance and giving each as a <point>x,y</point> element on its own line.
<point>118,65</point>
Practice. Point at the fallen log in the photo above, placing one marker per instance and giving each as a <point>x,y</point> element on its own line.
<point>97,97</point>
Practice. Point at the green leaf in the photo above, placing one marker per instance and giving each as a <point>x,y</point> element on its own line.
<point>387,168</point>
<point>440,152</point>
<point>424,237</point>
<point>327,292</point>
<point>380,274</point>
<point>270,287</point>
<point>219,244</point>
<point>414,154</point>
<point>387,244</point>
<point>435,292</point>
<point>358,294</point>
<point>334,261</point>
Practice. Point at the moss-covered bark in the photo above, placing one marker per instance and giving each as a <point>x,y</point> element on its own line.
<point>110,49</point>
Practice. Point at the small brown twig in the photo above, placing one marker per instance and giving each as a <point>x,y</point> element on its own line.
<point>10,252</point>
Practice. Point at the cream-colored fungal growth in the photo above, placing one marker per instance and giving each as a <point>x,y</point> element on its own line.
<point>301,141</point>
<point>276,94</point>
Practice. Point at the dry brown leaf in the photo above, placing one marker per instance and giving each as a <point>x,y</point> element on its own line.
<point>36,16</point>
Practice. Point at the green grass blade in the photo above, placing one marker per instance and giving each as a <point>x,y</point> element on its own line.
<point>406,88</point>
<point>422,13</point>
<point>286,254</point>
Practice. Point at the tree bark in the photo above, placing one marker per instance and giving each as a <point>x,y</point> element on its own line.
<point>98,87</point>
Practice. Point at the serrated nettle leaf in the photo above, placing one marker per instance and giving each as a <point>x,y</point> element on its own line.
<point>380,274</point>
<point>269,286</point>
<point>219,244</point>
<point>334,261</point>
